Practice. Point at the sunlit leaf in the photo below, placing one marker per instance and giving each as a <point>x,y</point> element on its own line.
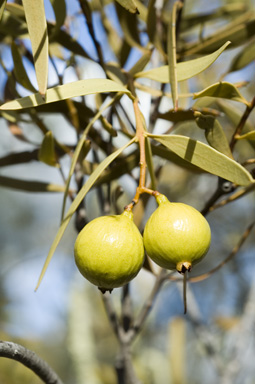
<point>185,70</point>
<point>37,29</point>
<point>247,136</point>
<point>129,5</point>
<point>78,199</point>
<point>47,152</point>
<point>171,54</point>
<point>2,5</point>
<point>66,91</point>
<point>29,186</point>
<point>19,69</point>
<point>222,90</point>
<point>214,133</point>
<point>206,158</point>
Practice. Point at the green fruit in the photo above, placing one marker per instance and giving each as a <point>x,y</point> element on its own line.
<point>176,235</point>
<point>109,251</point>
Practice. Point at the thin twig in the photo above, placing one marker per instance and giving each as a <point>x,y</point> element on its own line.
<point>111,314</point>
<point>31,360</point>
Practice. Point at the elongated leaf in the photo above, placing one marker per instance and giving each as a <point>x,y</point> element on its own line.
<point>150,165</point>
<point>206,158</point>
<point>222,90</point>
<point>11,25</point>
<point>80,196</point>
<point>19,70</point>
<point>245,57</point>
<point>19,158</point>
<point>47,152</point>
<point>37,29</point>
<point>185,70</point>
<point>59,7</point>
<point>29,186</point>
<point>171,53</point>
<point>141,63</point>
<point>66,91</point>
<point>247,136</point>
<point>214,133</point>
<point>78,151</point>
<point>2,5</point>
<point>129,5</point>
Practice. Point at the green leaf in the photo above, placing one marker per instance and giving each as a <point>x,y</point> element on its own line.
<point>2,5</point>
<point>59,7</point>
<point>141,63</point>
<point>214,133</point>
<point>129,5</point>
<point>150,165</point>
<point>37,29</point>
<point>75,204</point>
<point>79,147</point>
<point>206,158</point>
<point>222,90</point>
<point>247,136</point>
<point>12,26</point>
<point>47,152</point>
<point>171,53</point>
<point>19,70</point>
<point>185,70</point>
<point>29,186</point>
<point>177,116</point>
<point>66,91</point>
<point>245,57</point>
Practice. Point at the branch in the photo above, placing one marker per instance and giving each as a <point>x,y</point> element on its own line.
<point>31,360</point>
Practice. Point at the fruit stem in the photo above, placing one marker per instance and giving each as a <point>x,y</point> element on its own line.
<point>140,137</point>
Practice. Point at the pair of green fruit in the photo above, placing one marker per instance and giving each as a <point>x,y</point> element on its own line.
<point>109,251</point>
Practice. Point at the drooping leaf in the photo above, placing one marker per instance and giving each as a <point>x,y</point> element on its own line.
<point>141,63</point>
<point>185,70</point>
<point>37,29</point>
<point>29,186</point>
<point>129,25</point>
<point>19,69</point>
<point>78,199</point>
<point>222,90</point>
<point>47,152</point>
<point>2,5</point>
<point>129,5</point>
<point>214,133</point>
<point>66,91</point>
<point>78,150</point>
<point>206,158</point>
<point>171,54</point>
<point>245,57</point>
<point>59,7</point>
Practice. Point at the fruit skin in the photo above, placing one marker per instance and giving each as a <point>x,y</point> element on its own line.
<point>176,236</point>
<point>109,251</point>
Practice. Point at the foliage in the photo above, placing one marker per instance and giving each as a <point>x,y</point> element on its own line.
<point>200,118</point>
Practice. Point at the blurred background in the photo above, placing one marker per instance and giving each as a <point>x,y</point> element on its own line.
<point>64,321</point>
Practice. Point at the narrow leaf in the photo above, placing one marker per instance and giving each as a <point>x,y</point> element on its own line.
<point>206,158</point>
<point>29,186</point>
<point>129,5</point>
<point>185,70</point>
<point>214,133</point>
<point>245,57</point>
<point>2,5</point>
<point>247,136</point>
<point>150,164</point>
<point>80,196</point>
<point>59,7</point>
<point>66,91</point>
<point>171,53</point>
<point>19,69</point>
<point>78,149</point>
<point>222,90</point>
<point>47,152</point>
<point>37,29</point>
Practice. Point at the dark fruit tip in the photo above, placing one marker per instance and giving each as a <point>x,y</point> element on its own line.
<point>103,290</point>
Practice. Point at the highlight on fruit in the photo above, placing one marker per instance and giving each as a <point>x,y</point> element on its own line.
<point>176,236</point>
<point>109,251</point>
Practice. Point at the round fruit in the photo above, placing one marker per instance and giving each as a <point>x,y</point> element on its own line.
<point>176,236</point>
<point>109,251</point>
